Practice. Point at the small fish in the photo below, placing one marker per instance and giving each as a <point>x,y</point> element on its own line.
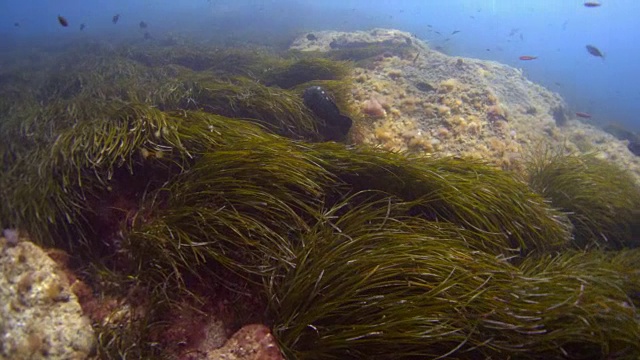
<point>311,37</point>
<point>455,32</point>
<point>63,21</point>
<point>513,31</point>
<point>527,57</point>
<point>16,24</point>
<point>115,18</point>
<point>583,115</point>
<point>437,32</point>
<point>595,51</point>
<point>147,36</point>
<point>143,25</point>
<point>592,4</point>
<point>82,26</point>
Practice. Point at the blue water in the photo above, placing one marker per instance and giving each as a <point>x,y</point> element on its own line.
<point>556,31</point>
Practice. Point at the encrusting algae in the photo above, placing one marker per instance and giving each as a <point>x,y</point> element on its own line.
<point>183,179</point>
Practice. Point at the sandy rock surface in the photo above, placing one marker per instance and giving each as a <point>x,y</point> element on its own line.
<point>40,317</point>
<point>251,342</point>
<point>421,100</point>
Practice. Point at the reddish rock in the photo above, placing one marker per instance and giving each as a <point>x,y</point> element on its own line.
<point>251,342</point>
<point>373,108</point>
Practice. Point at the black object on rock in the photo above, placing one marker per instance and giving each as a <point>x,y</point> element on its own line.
<point>335,126</point>
<point>426,87</point>
<point>634,147</point>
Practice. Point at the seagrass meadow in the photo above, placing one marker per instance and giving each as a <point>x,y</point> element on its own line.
<point>173,174</point>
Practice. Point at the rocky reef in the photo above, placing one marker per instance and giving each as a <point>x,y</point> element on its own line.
<point>200,209</point>
<point>418,99</point>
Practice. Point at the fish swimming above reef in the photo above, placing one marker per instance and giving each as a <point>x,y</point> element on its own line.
<point>16,24</point>
<point>595,51</point>
<point>527,57</point>
<point>592,4</point>
<point>143,25</point>
<point>115,18</point>
<point>82,26</point>
<point>583,115</point>
<point>63,21</point>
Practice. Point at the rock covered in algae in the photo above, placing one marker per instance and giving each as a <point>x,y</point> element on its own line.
<point>251,342</point>
<point>40,317</point>
<point>450,105</point>
<point>326,40</point>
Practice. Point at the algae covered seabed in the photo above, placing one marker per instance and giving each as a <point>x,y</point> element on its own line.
<point>180,200</point>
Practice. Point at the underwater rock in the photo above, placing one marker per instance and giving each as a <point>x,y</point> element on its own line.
<point>333,40</point>
<point>560,116</point>
<point>373,108</point>
<point>336,126</point>
<point>251,342</point>
<point>634,147</point>
<point>622,133</point>
<point>41,317</point>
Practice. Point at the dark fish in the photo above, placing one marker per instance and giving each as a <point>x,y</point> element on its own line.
<point>115,19</point>
<point>311,37</point>
<point>147,36</point>
<point>592,4</point>
<point>527,57</point>
<point>143,25</point>
<point>16,24</point>
<point>595,51</point>
<point>521,37</point>
<point>82,26</point>
<point>455,32</point>
<point>513,31</point>
<point>437,32</point>
<point>583,115</point>
<point>63,21</point>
